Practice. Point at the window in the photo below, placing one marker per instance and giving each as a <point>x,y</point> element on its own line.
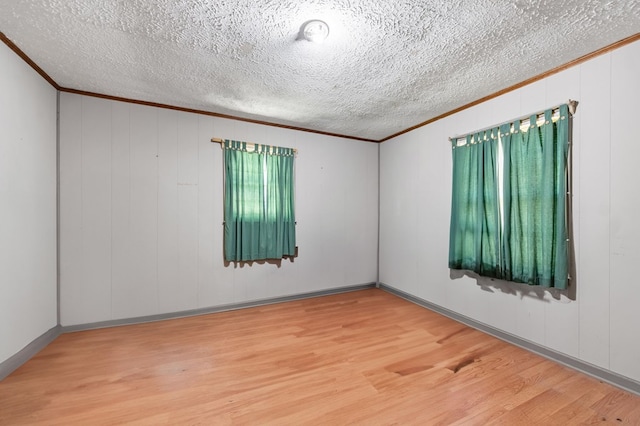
<point>259,217</point>
<point>508,211</point>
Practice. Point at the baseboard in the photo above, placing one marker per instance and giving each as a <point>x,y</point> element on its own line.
<point>214,309</point>
<point>14,362</point>
<point>574,363</point>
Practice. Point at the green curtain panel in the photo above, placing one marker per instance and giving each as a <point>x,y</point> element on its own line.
<point>259,215</point>
<point>508,212</point>
<point>475,215</point>
<point>535,181</point>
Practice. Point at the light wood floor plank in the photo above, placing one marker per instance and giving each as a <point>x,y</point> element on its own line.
<point>366,357</point>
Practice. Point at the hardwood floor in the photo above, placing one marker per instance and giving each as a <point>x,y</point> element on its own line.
<point>366,357</point>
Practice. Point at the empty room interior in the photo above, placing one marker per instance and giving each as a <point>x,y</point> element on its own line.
<point>127,296</point>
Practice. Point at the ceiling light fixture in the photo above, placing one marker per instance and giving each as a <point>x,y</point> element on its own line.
<point>315,30</point>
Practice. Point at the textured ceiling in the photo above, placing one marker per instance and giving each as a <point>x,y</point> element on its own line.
<point>387,65</point>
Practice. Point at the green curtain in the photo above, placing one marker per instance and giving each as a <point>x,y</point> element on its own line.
<point>475,216</point>
<point>515,231</point>
<point>259,216</point>
<point>535,248</point>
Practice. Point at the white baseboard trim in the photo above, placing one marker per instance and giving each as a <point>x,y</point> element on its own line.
<point>599,373</point>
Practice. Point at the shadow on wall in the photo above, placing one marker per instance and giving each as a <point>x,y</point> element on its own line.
<point>493,285</point>
<point>249,263</point>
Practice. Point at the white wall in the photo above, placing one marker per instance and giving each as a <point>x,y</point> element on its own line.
<point>28,304</point>
<point>141,212</point>
<point>600,326</point>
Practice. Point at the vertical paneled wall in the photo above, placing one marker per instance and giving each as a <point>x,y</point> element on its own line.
<point>141,212</point>
<point>28,303</point>
<point>597,327</point>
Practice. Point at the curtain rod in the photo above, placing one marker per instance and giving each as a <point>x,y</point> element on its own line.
<point>573,106</point>
<point>249,144</point>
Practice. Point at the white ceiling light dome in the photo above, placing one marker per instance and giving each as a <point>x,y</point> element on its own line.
<point>315,30</point>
